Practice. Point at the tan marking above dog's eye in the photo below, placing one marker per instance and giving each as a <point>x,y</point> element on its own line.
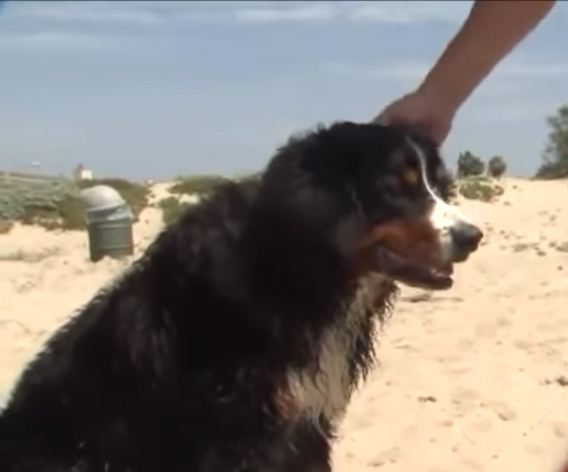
<point>410,176</point>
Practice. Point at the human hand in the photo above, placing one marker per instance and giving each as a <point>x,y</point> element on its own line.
<point>420,109</point>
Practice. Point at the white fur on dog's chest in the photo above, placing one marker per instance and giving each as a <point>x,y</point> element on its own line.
<point>325,387</point>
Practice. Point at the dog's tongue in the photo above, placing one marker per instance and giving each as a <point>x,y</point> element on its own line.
<point>409,272</point>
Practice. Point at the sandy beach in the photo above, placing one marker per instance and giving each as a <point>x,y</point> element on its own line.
<point>472,379</point>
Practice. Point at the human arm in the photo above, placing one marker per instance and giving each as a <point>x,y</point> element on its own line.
<point>491,31</point>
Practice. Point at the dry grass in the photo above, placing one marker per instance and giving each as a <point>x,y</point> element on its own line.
<point>30,257</point>
<point>6,226</point>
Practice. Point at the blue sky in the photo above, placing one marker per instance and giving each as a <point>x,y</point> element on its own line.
<point>157,89</point>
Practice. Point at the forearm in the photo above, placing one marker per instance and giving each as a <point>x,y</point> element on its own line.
<point>492,30</point>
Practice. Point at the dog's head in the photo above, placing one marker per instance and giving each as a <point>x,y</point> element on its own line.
<point>380,194</point>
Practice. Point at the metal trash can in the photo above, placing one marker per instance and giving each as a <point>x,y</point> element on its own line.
<point>109,223</point>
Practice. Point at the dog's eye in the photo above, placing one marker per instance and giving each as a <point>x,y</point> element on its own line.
<point>410,177</point>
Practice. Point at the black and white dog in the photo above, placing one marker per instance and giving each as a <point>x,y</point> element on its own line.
<point>235,342</point>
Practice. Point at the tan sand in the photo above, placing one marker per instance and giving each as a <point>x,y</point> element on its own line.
<point>473,379</point>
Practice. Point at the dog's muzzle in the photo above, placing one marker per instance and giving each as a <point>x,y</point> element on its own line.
<point>421,252</point>
<point>465,239</point>
<point>459,237</point>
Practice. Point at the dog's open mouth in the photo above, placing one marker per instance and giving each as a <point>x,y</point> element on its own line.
<point>410,272</point>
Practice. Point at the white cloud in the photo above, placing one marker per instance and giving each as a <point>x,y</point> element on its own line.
<point>357,11</point>
<point>309,12</point>
<point>410,12</point>
<point>86,12</point>
<point>61,42</point>
<point>159,12</point>
<point>114,16</point>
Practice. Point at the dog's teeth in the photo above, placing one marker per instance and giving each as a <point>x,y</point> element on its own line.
<point>439,273</point>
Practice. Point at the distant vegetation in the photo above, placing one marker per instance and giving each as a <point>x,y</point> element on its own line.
<point>53,203</point>
<point>470,165</point>
<point>188,186</point>
<point>555,155</point>
<point>185,187</point>
<point>172,208</point>
<point>471,169</point>
<point>477,180</point>
<point>196,184</point>
<point>496,167</point>
<point>480,187</point>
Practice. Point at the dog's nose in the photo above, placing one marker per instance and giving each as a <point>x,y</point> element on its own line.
<point>465,238</point>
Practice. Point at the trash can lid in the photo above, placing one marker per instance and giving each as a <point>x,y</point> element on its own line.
<point>100,197</point>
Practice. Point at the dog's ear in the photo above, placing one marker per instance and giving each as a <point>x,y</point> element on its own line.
<point>311,186</point>
<point>328,210</point>
<point>348,231</point>
<point>310,210</point>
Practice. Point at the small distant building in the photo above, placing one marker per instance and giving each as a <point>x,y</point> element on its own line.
<point>82,173</point>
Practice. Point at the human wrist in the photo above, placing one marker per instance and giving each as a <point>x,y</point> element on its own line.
<point>439,96</point>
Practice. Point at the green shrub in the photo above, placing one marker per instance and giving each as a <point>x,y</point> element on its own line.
<point>43,201</point>
<point>254,176</point>
<point>496,167</point>
<point>249,179</point>
<point>55,204</point>
<point>199,185</point>
<point>469,165</point>
<point>479,188</point>
<point>67,214</point>
<point>172,209</point>
<point>196,184</point>
<point>555,153</point>
<point>552,170</point>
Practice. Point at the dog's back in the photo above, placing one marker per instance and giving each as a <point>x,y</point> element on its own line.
<point>175,367</point>
<point>207,355</point>
<point>108,389</point>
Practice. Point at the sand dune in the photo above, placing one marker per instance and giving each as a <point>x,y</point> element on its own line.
<point>473,379</point>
